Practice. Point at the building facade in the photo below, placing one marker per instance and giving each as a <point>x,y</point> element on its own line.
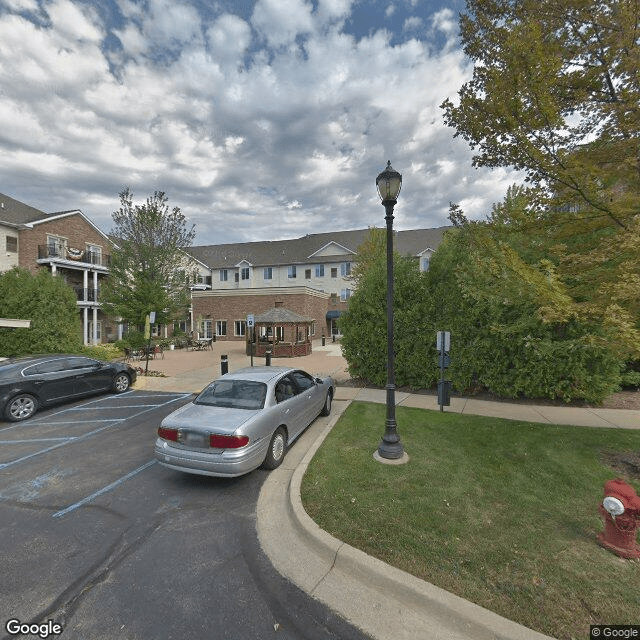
<point>70,246</point>
<point>310,275</point>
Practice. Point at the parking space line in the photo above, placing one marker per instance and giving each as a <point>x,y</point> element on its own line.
<point>106,489</point>
<point>37,440</point>
<point>79,438</point>
<point>53,448</point>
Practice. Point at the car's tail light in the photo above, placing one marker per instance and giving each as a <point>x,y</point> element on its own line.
<point>227,442</point>
<point>168,434</point>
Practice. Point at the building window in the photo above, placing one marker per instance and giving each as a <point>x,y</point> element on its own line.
<point>345,294</point>
<point>94,254</point>
<point>240,327</point>
<point>268,273</point>
<point>307,274</point>
<point>12,244</point>
<point>345,269</point>
<point>224,275</point>
<point>57,246</point>
<point>292,271</point>
<point>334,272</point>
<point>205,329</point>
<point>424,263</point>
<point>244,273</point>
<point>221,327</point>
<point>319,271</point>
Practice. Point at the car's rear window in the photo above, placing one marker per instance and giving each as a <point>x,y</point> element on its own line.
<point>234,394</point>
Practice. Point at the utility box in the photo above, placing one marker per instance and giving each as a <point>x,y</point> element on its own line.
<point>444,393</point>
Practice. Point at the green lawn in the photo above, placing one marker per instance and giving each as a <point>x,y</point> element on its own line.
<point>499,512</point>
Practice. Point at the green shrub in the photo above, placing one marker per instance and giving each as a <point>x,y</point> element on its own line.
<point>51,306</point>
<point>102,351</point>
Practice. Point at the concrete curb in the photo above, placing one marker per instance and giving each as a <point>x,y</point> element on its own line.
<point>384,602</point>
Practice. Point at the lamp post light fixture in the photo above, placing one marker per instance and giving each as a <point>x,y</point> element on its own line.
<point>388,184</point>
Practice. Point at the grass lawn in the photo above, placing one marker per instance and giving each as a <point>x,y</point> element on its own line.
<point>499,512</point>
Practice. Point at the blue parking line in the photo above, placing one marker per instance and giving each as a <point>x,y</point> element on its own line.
<point>109,487</point>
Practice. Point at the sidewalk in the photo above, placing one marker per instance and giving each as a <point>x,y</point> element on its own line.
<point>386,603</point>
<point>191,371</point>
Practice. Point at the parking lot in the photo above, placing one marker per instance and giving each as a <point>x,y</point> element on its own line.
<point>99,539</point>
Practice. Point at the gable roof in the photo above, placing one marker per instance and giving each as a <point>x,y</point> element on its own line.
<point>280,315</point>
<point>302,250</point>
<point>17,214</point>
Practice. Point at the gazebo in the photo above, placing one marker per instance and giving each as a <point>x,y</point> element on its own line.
<point>286,333</point>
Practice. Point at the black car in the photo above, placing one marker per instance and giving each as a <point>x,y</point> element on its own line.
<point>26,384</point>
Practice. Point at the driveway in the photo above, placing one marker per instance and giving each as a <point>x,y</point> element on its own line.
<point>101,540</point>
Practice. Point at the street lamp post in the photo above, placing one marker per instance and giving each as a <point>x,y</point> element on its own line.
<point>388,184</point>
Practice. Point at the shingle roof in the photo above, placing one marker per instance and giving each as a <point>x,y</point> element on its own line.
<point>15,212</point>
<point>280,315</point>
<point>301,250</point>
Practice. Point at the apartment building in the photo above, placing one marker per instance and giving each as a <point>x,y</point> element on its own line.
<point>310,276</point>
<point>70,246</point>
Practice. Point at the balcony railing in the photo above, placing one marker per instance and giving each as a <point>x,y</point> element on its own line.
<point>47,251</point>
<point>87,295</point>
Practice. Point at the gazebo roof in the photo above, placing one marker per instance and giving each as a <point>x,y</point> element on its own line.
<point>280,315</point>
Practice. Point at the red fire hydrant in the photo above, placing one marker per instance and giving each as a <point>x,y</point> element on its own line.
<point>620,509</point>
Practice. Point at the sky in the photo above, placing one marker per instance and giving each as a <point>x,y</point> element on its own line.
<point>259,119</point>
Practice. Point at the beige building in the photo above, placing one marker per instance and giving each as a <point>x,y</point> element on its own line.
<point>310,275</point>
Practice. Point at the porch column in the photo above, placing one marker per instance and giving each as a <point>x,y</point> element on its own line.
<point>94,337</point>
<point>85,285</point>
<point>85,325</point>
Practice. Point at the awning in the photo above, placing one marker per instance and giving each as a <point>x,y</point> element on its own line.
<point>333,314</point>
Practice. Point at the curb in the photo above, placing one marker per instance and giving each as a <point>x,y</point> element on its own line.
<point>383,601</point>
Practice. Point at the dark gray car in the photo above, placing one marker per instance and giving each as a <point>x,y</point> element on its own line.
<point>26,384</point>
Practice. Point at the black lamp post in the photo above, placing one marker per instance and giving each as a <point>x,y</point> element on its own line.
<point>389,183</point>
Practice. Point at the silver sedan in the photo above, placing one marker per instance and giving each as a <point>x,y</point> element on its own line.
<point>242,421</point>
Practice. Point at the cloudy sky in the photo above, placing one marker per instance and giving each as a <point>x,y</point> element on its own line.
<point>260,119</point>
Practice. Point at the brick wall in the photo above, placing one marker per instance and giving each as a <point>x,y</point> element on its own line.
<point>217,305</point>
<point>74,227</point>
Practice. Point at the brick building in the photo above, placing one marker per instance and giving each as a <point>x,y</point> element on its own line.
<point>310,276</point>
<point>70,246</point>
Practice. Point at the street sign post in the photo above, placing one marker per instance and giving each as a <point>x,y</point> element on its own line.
<point>443,344</point>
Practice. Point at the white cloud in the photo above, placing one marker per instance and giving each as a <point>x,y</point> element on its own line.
<point>413,24</point>
<point>281,21</point>
<point>287,138</point>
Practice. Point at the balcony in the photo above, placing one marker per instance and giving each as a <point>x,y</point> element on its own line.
<point>73,256</point>
<point>87,295</point>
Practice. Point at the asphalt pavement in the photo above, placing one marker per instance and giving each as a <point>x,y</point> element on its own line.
<point>384,602</point>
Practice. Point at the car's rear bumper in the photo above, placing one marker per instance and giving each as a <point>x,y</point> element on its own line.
<point>228,463</point>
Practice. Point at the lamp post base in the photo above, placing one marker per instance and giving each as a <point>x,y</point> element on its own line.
<point>393,461</point>
<point>390,446</point>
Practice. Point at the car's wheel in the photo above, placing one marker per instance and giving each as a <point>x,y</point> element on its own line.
<point>121,383</point>
<point>326,409</point>
<point>21,407</point>
<point>277,449</point>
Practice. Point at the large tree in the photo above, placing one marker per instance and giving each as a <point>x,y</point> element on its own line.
<point>555,93</point>
<point>148,265</point>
